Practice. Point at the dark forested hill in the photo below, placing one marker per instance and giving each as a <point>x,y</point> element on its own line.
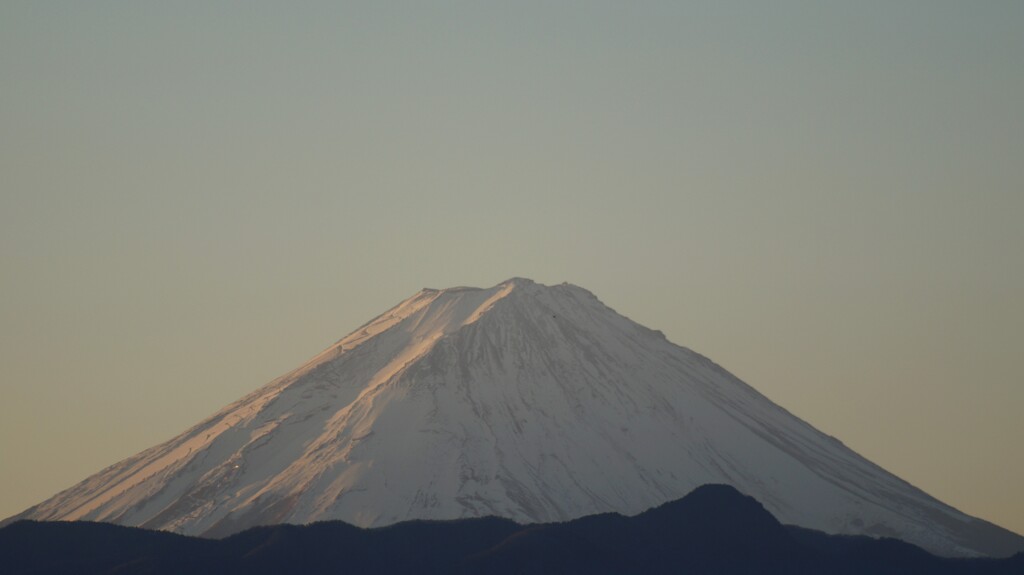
<point>715,529</point>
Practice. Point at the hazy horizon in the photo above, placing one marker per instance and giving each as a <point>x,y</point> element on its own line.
<point>824,198</point>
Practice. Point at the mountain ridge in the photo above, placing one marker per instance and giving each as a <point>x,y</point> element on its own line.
<point>713,529</point>
<point>538,403</point>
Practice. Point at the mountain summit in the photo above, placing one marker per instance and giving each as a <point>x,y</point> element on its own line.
<point>532,402</point>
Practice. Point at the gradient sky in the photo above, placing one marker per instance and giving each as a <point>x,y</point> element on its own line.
<point>826,198</point>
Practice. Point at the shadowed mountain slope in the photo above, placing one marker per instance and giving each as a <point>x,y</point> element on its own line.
<point>530,402</point>
<point>715,529</point>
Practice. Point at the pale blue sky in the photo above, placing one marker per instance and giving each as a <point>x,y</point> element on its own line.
<point>824,197</point>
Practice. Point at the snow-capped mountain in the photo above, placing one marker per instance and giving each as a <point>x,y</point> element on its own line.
<point>531,402</point>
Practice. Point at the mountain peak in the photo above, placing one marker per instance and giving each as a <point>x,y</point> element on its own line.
<point>434,313</point>
<point>521,281</point>
<point>513,281</point>
<point>525,401</point>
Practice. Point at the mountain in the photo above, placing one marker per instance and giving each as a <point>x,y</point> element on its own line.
<point>714,529</point>
<point>530,402</point>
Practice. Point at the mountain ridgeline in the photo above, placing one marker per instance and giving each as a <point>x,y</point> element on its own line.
<point>534,403</point>
<point>715,529</point>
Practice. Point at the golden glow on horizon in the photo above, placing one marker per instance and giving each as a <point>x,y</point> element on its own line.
<point>824,199</point>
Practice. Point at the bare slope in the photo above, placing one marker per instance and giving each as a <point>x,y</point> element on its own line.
<point>524,401</point>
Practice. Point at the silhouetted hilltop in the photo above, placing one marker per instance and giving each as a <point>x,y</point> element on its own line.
<point>714,529</point>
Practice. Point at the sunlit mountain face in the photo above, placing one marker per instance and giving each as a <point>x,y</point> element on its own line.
<point>522,401</point>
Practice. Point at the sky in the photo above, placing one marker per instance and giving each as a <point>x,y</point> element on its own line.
<point>826,198</point>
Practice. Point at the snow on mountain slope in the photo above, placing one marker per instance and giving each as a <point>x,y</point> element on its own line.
<point>524,401</point>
